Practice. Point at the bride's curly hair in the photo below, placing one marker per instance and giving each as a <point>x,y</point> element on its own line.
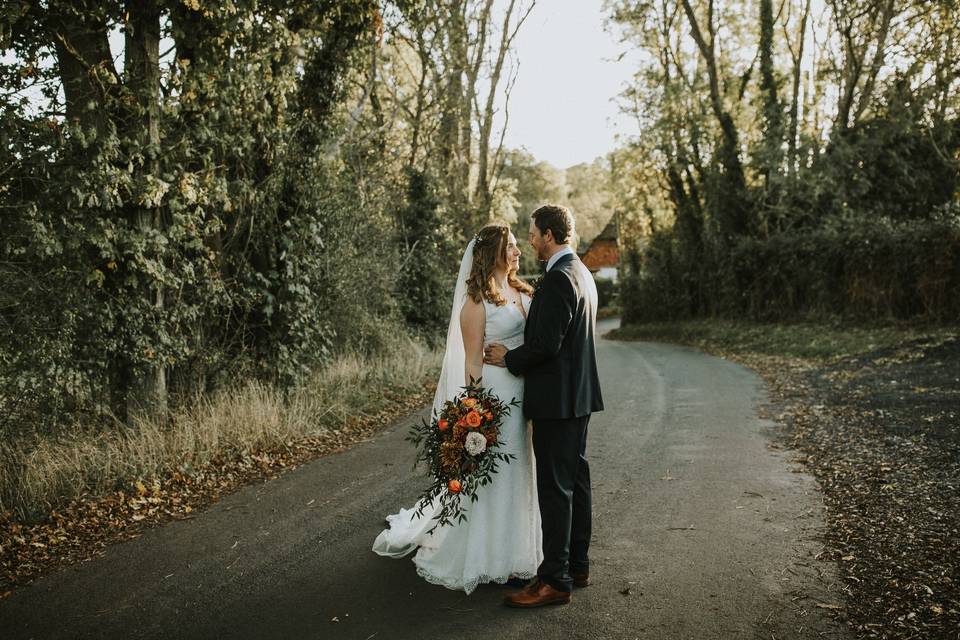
<point>489,252</point>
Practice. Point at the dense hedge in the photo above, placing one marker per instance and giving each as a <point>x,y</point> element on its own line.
<point>607,292</point>
<point>857,269</point>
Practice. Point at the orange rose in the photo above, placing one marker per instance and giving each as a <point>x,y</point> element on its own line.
<point>469,403</point>
<point>488,416</point>
<point>473,419</point>
<point>454,486</point>
<point>443,425</point>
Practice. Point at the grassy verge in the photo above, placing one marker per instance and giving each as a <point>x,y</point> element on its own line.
<point>874,414</point>
<point>63,497</point>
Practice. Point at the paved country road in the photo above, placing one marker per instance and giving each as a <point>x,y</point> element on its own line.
<point>701,530</point>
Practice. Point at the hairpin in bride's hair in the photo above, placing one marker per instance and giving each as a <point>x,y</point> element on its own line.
<point>476,239</point>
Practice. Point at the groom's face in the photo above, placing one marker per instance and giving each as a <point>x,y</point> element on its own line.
<point>537,240</point>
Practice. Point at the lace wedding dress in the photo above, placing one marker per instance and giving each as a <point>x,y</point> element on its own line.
<point>501,536</point>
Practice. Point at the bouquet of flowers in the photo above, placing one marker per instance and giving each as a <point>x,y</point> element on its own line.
<point>460,448</point>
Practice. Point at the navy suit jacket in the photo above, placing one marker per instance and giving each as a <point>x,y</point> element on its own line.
<point>558,359</point>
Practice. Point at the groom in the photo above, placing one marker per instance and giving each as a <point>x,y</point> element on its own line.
<point>561,389</point>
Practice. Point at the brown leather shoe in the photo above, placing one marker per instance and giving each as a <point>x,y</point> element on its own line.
<point>537,594</point>
<point>580,580</point>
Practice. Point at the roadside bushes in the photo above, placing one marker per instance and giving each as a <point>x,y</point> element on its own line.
<point>606,292</point>
<point>854,268</point>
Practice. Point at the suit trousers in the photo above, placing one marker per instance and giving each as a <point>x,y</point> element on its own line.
<point>563,487</point>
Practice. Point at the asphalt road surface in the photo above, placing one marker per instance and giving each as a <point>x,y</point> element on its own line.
<point>701,530</point>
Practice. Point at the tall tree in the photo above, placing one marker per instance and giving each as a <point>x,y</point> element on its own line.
<point>159,182</point>
<point>796,56</point>
<point>730,204</point>
<point>142,78</point>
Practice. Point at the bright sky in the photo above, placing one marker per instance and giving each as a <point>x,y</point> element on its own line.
<point>562,109</point>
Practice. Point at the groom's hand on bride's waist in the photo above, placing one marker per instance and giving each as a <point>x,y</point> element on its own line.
<point>493,354</point>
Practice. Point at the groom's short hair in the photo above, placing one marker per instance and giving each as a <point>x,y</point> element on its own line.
<point>557,219</point>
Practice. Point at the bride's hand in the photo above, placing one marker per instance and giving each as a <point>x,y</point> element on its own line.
<point>493,354</point>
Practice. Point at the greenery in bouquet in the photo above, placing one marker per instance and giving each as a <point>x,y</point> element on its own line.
<point>459,446</point>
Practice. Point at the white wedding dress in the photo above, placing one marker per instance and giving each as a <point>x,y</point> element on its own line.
<point>501,536</point>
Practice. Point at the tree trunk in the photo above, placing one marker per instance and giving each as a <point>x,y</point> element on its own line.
<point>486,118</point>
<point>877,63</point>
<point>452,156</point>
<point>773,134</point>
<point>375,106</point>
<point>147,392</point>
<point>795,96</point>
<point>853,56</point>
<point>730,206</point>
<point>417,124</point>
<point>946,67</point>
<point>85,66</point>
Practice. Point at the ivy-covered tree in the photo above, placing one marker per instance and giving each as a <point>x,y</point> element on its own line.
<point>161,212</point>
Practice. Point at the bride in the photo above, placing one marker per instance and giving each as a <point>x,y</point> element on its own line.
<point>501,538</point>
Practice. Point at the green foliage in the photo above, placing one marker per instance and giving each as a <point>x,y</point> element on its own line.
<point>656,284</point>
<point>187,234</point>
<point>847,202</point>
<point>607,291</point>
<point>852,268</point>
<point>892,165</point>
<point>588,198</point>
<point>631,287</point>
<point>423,286</point>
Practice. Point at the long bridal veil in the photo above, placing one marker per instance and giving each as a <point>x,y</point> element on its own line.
<point>408,531</point>
<point>452,371</point>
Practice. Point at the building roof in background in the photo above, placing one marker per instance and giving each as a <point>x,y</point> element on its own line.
<point>610,231</point>
<point>604,250</point>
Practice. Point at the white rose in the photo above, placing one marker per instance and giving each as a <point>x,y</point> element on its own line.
<point>475,443</point>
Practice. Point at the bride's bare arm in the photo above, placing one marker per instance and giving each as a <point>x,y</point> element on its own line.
<point>472,320</point>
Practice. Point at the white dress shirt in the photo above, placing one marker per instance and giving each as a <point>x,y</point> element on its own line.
<point>559,254</point>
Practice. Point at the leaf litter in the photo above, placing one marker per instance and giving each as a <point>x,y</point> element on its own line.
<point>880,431</point>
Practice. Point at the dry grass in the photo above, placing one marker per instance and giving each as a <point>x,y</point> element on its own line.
<point>39,474</point>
